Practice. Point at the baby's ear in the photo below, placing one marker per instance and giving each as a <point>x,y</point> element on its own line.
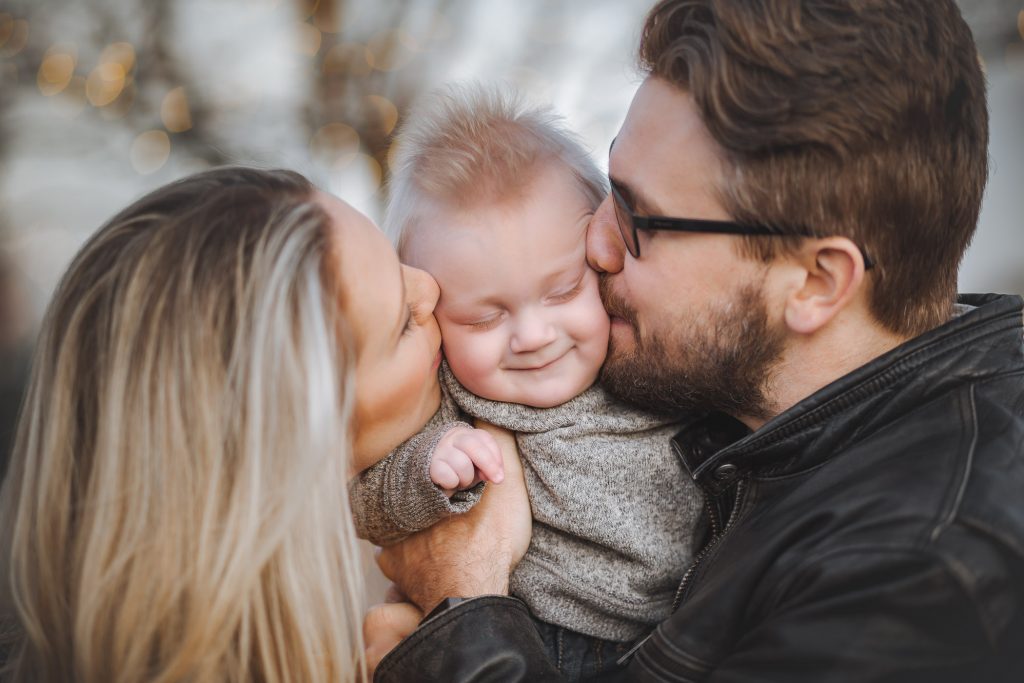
<point>823,277</point>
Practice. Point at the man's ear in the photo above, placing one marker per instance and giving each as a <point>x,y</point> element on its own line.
<point>829,274</point>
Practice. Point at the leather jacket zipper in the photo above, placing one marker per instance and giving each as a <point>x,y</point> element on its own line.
<point>712,544</point>
<point>716,537</point>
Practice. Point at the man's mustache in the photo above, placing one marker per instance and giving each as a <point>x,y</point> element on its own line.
<point>613,303</point>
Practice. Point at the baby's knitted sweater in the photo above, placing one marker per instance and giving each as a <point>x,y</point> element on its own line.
<point>615,513</point>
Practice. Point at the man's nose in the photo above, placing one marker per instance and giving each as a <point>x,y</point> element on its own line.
<point>605,249</point>
<point>531,333</point>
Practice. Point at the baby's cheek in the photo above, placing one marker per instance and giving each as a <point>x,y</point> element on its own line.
<point>593,323</point>
<point>470,359</point>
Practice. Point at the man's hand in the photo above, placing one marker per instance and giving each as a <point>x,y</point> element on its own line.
<point>384,627</point>
<point>471,554</point>
<point>463,457</point>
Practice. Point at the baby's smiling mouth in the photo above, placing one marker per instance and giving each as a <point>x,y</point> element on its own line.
<point>540,366</point>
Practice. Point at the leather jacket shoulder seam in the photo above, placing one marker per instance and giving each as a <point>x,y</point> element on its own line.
<point>811,563</point>
<point>899,366</point>
<point>953,574</point>
<point>965,474</point>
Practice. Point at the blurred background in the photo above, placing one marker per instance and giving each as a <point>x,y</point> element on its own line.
<point>103,100</point>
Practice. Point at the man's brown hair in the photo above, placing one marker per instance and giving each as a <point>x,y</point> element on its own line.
<point>860,118</point>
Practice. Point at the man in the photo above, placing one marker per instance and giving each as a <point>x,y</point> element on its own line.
<point>822,165</point>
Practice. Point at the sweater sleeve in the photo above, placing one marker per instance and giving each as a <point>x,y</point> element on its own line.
<point>395,498</point>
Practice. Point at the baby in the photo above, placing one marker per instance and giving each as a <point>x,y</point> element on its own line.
<point>493,199</point>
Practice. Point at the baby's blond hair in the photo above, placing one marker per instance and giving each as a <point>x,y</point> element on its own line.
<point>466,145</point>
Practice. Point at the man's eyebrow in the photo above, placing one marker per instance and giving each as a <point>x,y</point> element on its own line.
<point>641,202</point>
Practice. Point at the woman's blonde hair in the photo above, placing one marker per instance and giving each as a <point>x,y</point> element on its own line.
<point>176,504</point>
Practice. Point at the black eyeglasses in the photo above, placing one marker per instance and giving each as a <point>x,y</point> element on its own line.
<point>629,223</point>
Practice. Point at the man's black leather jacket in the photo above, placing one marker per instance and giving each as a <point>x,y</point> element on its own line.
<point>873,532</point>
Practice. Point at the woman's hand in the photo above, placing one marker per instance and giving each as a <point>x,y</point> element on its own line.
<point>384,627</point>
<point>471,554</point>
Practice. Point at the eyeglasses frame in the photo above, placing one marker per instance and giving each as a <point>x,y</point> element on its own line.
<point>704,225</point>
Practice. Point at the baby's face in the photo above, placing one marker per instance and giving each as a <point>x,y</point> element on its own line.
<point>520,315</point>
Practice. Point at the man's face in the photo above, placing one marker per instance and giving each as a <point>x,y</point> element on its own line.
<point>691,327</point>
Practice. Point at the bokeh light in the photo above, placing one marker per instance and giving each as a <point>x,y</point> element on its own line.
<point>335,143</point>
<point>105,83</point>
<point>174,111</point>
<point>347,59</point>
<point>119,53</point>
<point>307,39</point>
<point>56,70</point>
<point>150,151</point>
<point>6,28</point>
<point>325,16</point>
<point>386,113</point>
<point>390,50</point>
<point>120,107</point>
<point>13,35</point>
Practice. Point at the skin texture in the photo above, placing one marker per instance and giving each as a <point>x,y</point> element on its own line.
<point>520,312</point>
<point>397,340</point>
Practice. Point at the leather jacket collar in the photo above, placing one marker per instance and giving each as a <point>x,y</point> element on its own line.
<point>719,450</point>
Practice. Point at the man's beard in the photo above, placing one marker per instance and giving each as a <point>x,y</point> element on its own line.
<point>721,360</point>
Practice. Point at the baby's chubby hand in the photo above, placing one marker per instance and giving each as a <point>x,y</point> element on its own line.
<point>463,457</point>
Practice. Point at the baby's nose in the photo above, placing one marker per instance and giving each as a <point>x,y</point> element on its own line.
<point>532,332</point>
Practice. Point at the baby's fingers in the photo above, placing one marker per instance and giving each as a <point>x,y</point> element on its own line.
<point>483,450</point>
<point>444,475</point>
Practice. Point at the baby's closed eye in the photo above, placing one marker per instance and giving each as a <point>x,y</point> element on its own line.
<point>486,323</point>
<point>566,294</point>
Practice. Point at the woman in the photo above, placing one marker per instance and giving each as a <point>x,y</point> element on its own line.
<point>216,362</point>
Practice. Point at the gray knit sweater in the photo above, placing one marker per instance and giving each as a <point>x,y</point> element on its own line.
<point>615,514</point>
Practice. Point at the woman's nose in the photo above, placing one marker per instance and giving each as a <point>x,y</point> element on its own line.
<point>605,249</point>
<point>531,333</point>
<point>421,289</point>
